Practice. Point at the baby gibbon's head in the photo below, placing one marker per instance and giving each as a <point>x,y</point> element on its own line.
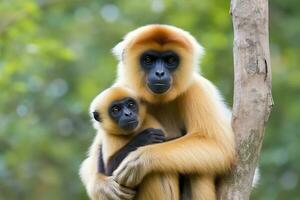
<point>117,110</point>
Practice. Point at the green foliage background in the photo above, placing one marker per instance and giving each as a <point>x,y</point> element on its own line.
<point>55,57</point>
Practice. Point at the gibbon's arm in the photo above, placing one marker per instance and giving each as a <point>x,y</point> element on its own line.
<point>152,133</point>
<point>89,166</point>
<point>207,148</point>
<point>99,186</point>
<point>104,187</point>
<point>146,137</point>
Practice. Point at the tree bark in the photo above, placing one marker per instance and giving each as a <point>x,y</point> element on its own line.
<point>252,93</point>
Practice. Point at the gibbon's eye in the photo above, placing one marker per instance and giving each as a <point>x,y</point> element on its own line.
<point>148,60</point>
<point>170,60</point>
<point>131,104</point>
<point>115,109</point>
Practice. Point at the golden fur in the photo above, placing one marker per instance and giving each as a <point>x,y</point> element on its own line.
<point>111,138</point>
<point>192,103</point>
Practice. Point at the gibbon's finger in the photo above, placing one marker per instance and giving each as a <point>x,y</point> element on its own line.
<point>107,193</point>
<point>159,137</point>
<point>158,131</point>
<point>123,188</point>
<point>127,167</point>
<point>157,141</point>
<point>117,172</point>
<point>129,175</point>
<point>113,196</point>
<point>130,181</point>
<point>122,194</point>
<point>127,190</point>
<point>125,196</point>
<point>120,169</point>
<point>114,193</point>
<point>120,176</point>
<point>112,189</point>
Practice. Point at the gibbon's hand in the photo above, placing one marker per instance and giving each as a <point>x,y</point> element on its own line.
<point>111,190</point>
<point>148,136</point>
<point>134,168</point>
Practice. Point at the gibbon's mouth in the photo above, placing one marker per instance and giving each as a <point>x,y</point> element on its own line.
<point>130,125</point>
<point>159,88</point>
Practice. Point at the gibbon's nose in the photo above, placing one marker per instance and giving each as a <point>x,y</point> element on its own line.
<point>160,74</point>
<point>127,113</point>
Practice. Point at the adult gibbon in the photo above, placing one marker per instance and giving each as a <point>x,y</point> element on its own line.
<point>123,125</point>
<point>160,62</point>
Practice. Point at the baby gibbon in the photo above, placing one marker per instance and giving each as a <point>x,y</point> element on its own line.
<point>123,125</point>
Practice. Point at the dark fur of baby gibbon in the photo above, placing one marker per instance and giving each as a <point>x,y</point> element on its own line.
<point>113,143</point>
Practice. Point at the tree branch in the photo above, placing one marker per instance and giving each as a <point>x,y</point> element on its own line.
<point>252,93</point>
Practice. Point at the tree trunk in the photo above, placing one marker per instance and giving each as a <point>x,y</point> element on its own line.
<point>252,93</point>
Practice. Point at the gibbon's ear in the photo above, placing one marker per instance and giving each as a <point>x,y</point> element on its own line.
<point>97,116</point>
<point>119,50</point>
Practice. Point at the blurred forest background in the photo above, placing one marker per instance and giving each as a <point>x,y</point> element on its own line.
<point>55,56</point>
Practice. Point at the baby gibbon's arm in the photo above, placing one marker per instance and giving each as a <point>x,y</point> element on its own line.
<point>99,186</point>
<point>146,137</point>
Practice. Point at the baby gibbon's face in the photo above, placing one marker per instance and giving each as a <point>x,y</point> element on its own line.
<point>117,111</point>
<point>124,112</point>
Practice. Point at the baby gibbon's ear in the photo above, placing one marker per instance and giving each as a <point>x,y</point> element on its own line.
<point>97,116</point>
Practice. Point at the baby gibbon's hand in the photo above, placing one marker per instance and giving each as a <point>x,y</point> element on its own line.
<point>149,136</point>
<point>136,165</point>
<point>146,137</point>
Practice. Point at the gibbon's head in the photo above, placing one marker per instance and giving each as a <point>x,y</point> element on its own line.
<point>158,61</point>
<point>117,110</point>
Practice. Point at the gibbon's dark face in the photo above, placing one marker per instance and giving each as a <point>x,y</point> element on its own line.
<point>158,67</point>
<point>125,113</point>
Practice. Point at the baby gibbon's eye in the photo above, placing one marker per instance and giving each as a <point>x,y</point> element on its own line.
<point>115,109</point>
